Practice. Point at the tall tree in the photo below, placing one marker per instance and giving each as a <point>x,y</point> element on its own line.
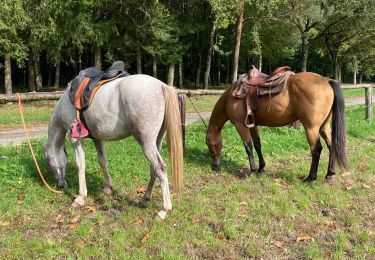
<point>12,20</point>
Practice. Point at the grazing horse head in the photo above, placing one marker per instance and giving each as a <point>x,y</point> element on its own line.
<point>57,160</point>
<point>214,148</point>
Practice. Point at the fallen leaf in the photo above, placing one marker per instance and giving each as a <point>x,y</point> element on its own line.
<point>348,186</point>
<point>59,218</point>
<point>90,209</point>
<point>328,255</point>
<point>243,203</point>
<point>195,219</point>
<point>72,225</point>
<point>141,190</point>
<point>279,244</point>
<point>138,221</point>
<point>80,243</point>
<point>219,237</point>
<point>145,237</point>
<point>366,186</point>
<point>304,238</point>
<point>4,223</point>
<point>21,197</point>
<point>345,174</point>
<point>175,225</point>
<point>75,219</point>
<point>330,224</point>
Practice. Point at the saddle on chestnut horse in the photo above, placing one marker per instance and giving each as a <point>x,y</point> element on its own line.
<point>255,84</point>
<point>83,88</point>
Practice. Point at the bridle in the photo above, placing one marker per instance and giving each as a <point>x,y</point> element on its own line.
<point>214,151</point>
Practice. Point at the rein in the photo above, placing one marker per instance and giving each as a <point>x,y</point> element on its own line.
<point>189,95</point>
<point>31,148</point>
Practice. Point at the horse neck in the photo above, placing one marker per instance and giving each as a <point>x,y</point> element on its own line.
<point>218,118</point>
<point>56,132</point>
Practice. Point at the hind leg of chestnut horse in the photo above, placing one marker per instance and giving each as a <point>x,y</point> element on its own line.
<point>312,135</point>
<point>326,133</point>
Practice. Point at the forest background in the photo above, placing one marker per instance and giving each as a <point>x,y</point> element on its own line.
<point>186,43</point>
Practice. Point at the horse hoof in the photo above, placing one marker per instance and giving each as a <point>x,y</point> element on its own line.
<point>78,202</point>
<point>162,214</point>
<point>329,180</point>
<point>142,203</point>
<point>308,179</point>
<point>260,170</point>
<point>107,190</point>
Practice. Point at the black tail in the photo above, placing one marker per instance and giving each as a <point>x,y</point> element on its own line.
<point>339,126</point>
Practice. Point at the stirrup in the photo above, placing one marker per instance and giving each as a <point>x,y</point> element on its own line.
<point>78,130</point>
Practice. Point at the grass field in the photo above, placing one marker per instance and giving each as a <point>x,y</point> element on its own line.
<point>221,215</point>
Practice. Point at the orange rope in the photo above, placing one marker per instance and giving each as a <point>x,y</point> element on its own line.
<point>31,148</point>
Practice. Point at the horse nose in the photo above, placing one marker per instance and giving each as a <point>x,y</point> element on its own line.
<point>62,184</point>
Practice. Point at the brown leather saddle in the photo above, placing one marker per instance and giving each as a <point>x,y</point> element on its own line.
<point>255,84</point>
<point>257,78</point>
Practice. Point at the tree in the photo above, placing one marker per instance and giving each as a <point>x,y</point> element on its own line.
<point>13,19</point>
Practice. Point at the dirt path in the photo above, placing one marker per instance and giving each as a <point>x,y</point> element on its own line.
<point>17,135</point>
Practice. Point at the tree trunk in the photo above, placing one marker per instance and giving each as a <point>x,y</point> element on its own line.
<point>337,69</point>
<point>98,57</point>
<point>218,69</point>
<point>355,77</point>
<point>170,78</point>
<point>305,51</point>
<point>198,73</point>
<point>79,62</point>
<point>154,68</point>
<point>236,54</point>
<point>7,74</point>
<point>209,55</point>
<point>31,74</point>
<point>139,62</point>
<point>360,77</point>
<point>57,73</point>
<point>38,75</point>
<point>260,61</point>
<point>180,74</point>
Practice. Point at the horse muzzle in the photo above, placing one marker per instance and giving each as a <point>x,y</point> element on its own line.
<point>62,184</point>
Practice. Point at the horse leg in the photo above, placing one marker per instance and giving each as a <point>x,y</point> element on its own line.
<point>147,197</point>
<point>78,146</point>
<point>248,144</point>
<point>159,169</point>
<point>312,135</point>
<point>102,157</point>
<point>326,133</point>
<point>254,131</point>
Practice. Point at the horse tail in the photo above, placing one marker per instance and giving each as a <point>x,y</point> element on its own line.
<point>338,126</point>
<point>174,137</point>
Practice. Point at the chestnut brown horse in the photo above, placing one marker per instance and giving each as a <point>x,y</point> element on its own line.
<point>314,100</point>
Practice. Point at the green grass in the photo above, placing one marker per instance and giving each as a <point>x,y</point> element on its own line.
<point>36,112</point>
<point>351,93</point>
<point>220,215</point>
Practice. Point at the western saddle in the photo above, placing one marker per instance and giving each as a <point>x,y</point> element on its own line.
<point>255,84</point>
<point>82,91</point>
<point>257,78</point>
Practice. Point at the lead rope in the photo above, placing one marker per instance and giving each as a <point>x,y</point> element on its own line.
<point>31,148</point>
<point>189,95</point>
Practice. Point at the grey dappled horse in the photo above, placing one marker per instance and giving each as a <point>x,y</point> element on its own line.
<point>137,105</point>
